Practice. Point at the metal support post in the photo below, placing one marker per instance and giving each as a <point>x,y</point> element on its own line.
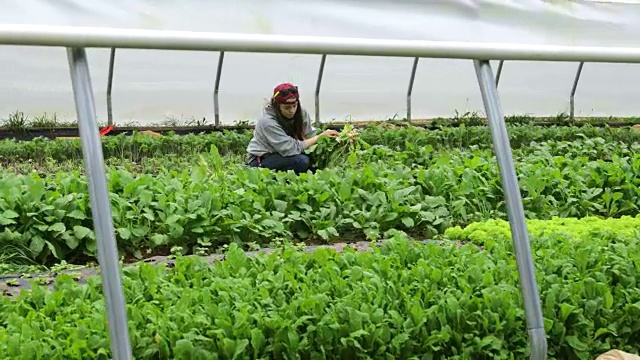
<point>100,206</point>
<point>112,60</point>
<point>216,106</point>
<point>318,83</point>
<point>572,107</point>
<point>410,88</point>
<point>500,64</point>
<point>515,209</point>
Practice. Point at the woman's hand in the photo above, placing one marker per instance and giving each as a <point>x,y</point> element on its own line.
<point>330,133</point>
<point>313,140</point>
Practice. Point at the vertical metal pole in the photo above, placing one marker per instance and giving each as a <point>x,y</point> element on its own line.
<point>100,206</point>
<point>500,64</point>
<point>318,83</point>
<point>410,88</point>
<point>572,106</point>
<point>216,106</point>
<point>112,60</point>
<point>515,209</point>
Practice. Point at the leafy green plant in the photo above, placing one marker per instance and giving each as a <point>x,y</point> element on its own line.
<point>139,146</point>
<point>421,182</point>
<point>208,203</point>
<point>403,299</point>
<point>330,152</point>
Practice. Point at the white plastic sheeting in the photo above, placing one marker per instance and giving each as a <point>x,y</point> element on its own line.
<point>150,86</point>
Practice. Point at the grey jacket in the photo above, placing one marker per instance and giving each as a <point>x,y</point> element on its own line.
<point>270,137</point>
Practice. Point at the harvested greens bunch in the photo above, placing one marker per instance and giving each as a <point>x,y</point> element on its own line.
<point>330,152</point>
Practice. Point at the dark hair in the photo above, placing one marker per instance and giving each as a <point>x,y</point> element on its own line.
<point>294,127</point>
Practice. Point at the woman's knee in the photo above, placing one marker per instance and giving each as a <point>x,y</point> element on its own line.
<point>301,163</point>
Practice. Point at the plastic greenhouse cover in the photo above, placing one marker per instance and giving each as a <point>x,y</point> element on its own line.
<point>150,86</point>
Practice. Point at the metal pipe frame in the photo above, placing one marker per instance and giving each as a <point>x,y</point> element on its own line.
<point>216,105</point>
<point>78,38</point>
<point>112,59</point>
<point>572,106</point>
<point>515,209</point>
<point>318,84</point>
<point>410,87</point>
<point>499,72</point>
<point>100,206</point>
<point>101,37</point>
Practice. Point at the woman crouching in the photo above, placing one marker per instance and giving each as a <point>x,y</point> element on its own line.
<point>283,133</point>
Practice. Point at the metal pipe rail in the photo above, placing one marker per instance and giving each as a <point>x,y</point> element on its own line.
<point>186,40</point>
<point>318,84</point>
<point>96,37</point>
<point>216,90</point>
<point>515,209</point>
<point>499,73</point>
<point>572,97</point>
<point>100,205</point>
<point>410,87</point>
<point>112,59</point>
<point>76,39</point>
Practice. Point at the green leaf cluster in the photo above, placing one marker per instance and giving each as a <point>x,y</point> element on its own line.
<point>139,146</point>
<point>211,203</point>
<point>403,300</point>
<point>134,147</point>
<point>333,152</point>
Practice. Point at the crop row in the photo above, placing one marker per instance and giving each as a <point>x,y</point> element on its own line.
<point>140,146</point>
<point>423,156</point>
<point>150,165</point>
<point>211,203</point>
<point>402,300</point>
<point>412,156</point>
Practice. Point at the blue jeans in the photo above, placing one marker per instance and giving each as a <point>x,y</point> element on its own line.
<point>298,163</point>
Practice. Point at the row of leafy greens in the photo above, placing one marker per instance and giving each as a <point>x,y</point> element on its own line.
<point>208,203</point>
<point>402,300</point>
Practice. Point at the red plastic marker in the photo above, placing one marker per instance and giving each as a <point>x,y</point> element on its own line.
<point>105,130</point>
